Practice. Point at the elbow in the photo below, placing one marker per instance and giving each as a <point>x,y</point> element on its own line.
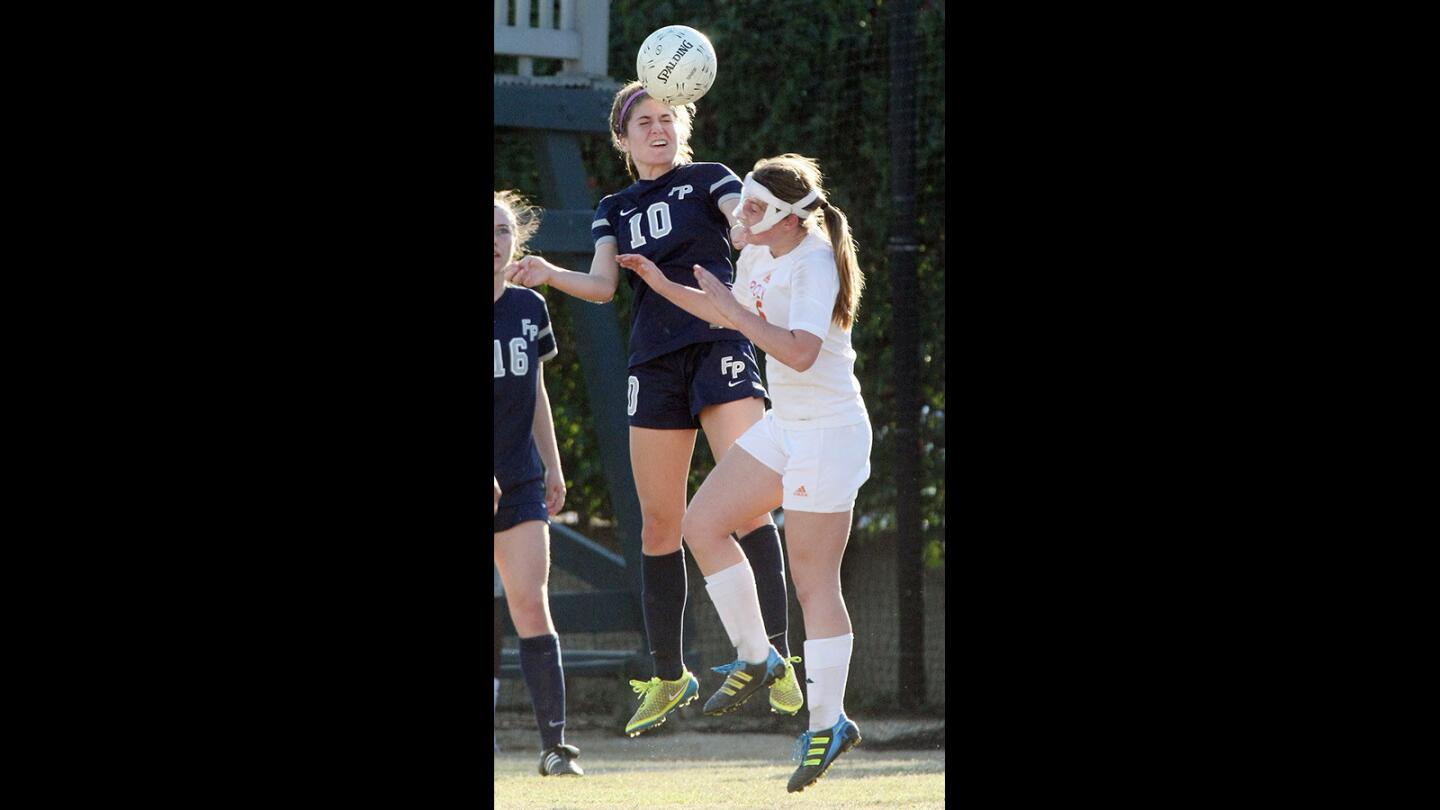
<point>805,351</point>
<point>607,294</point>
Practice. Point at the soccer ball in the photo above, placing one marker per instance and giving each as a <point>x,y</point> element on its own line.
<point>676,64</point>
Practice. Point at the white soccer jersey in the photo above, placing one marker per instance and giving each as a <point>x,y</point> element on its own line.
<point>798,291</point>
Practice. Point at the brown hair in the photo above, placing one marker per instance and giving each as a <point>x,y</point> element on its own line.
<point>525,216</point>
<point>684,119</point>
<point>790,177</point>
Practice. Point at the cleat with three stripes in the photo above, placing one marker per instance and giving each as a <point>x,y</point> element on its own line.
<point>816,751</point>
<point>743,681</point>
<point>560,761</point>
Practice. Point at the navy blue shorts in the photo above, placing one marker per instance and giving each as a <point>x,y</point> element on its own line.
<point>669,392</point>
<point>525,502</point>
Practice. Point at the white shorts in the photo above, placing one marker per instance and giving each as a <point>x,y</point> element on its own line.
<point>821,470</point>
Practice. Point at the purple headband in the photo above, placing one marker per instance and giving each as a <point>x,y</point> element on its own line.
<point>621,122</point>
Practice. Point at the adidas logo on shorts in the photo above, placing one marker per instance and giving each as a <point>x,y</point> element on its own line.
<point>801,492</point>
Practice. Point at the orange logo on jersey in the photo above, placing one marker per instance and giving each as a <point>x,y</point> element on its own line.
<point>757,289</point>
<point>801,491</point>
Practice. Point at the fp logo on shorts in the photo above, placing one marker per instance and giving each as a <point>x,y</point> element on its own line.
<point>729,365</point>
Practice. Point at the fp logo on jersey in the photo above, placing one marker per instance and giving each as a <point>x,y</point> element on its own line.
<point>731,366</point>
<point>682,190</point>
<point>528,329</point>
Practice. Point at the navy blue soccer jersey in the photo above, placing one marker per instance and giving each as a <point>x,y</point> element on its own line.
<point>674,221</point>
<point>523,339</point>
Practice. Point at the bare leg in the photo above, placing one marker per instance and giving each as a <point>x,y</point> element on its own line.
<point>661,463</point>
<point>816,542</point>
<point>523,555</point>
<point>724,424</point>
<point>739,485</point>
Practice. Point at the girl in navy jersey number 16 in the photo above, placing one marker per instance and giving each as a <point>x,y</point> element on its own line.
<point>684,373</point>
<point>529,484</point>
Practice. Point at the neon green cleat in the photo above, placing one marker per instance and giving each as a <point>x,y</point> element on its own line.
<point>785,695</point>
<point>658,698</point>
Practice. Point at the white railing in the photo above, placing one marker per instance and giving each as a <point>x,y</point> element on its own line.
<point>580,37</point>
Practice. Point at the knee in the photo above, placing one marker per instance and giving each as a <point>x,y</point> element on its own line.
<point>803,593</point>
<point>528,613</point>
<point>812,596</point>
<point>660,534</point>
<point>700,527</point>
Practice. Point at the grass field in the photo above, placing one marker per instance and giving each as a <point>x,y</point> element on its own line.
<point>692,769</point>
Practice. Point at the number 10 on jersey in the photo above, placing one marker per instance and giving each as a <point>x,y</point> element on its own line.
<point>659,216</point>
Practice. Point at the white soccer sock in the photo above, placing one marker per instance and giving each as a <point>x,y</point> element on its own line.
<point>827,668</point>
<point>733,592</point>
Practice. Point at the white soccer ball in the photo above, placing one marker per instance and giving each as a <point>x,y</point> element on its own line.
<point>676,64</point>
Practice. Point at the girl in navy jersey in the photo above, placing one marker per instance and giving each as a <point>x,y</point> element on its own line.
<point>684,373</point>
<point>529,484</point>
<point>796,292</point>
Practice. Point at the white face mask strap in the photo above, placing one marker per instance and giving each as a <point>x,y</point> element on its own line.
<point>777,209</point>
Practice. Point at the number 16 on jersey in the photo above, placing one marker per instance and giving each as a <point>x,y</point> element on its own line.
<point>519,361</point>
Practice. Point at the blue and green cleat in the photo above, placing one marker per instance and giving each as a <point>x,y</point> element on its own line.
<point>658,699</point>
<point>816,751</point>
<point>742,681</point>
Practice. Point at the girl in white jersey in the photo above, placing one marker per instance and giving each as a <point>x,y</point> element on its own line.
<point>797,289</point>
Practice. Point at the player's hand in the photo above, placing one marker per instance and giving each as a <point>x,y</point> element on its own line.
<point>554,491</point>
<point>531,271</point>
<point>719,296</point>
<point>740,235</point>
<point>497,496</point>
<point>641,266</point>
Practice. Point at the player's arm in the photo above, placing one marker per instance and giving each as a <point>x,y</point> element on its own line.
<point>739,236</point>
<point>544,429</point>
<point>597,286</point>
<point>696,302</point>
<point>795,348</point>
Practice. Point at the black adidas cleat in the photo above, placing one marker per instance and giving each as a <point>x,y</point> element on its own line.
<point>816,751</point>
<point>743,681</point>
<point>560,761</point>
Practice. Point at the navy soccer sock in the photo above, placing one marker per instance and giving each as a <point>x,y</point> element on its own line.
<point>664,607</point>
<point>762,549</point>
<point>540,664</point>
